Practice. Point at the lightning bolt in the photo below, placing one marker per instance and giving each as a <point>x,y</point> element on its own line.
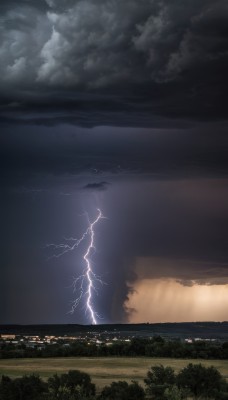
<point>85,284</point>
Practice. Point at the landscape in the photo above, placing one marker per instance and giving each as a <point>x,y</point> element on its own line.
<point>116,353</point>
<point>114,200</point>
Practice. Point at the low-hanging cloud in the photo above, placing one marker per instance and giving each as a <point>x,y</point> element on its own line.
<point>96,186</point>
<point>187,272</point>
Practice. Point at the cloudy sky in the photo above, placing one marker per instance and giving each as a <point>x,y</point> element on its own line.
<point>120,106</point>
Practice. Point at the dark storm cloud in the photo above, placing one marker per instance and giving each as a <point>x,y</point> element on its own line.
<point>96,186</point>
<point>160,65</point>
<point>31,157</point>
<point>117,63</point>
<point>187,272</point>
<point>30,151</point>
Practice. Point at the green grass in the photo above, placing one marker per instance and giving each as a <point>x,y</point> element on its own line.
<point>102,370</point>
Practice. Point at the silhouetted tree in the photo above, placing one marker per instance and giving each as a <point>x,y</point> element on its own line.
<point>201,381</point>
<point>71,386</point>
<point>25,388</point>
<point>122,391</point>
<point>173,393</point>
<point>159,378</point>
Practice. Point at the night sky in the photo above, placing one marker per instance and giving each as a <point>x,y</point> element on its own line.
<point>122,106</point>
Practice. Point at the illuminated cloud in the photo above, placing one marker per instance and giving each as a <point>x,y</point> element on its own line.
<point>165,300</point>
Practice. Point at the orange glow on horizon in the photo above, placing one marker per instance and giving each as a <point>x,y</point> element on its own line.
<point>166,300</point>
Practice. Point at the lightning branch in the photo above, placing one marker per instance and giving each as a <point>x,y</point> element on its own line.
<point>85,284</point>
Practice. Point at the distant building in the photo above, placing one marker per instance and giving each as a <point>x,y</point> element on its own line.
<point>8,337</point>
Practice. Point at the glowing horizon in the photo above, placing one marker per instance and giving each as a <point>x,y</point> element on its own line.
<point>166,300</point>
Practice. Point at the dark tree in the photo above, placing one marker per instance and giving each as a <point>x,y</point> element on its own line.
<point>26,388</point>
<point>7,390</point>
<point>159,378</point>
<point>122,391</point>
<point>73,385</point>
<point>201,381</point>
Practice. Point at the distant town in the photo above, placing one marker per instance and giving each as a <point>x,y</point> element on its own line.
<point>40,342</point>
<point>191,340</point>
<point>105,339</point>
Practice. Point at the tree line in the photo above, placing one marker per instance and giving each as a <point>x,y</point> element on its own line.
<point>161,383</point>
<point>153,347</point>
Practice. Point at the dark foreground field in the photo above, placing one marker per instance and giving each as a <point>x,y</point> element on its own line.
<point>102,370</point>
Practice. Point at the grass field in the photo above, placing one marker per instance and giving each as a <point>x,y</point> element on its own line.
<point>102,370</point>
